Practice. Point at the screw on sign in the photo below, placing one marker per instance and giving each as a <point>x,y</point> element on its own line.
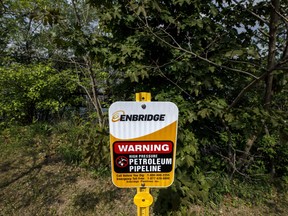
<point>121,161</point>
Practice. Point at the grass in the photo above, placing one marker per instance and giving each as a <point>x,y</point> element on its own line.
<point>32,186</point>
<point>35,179</point>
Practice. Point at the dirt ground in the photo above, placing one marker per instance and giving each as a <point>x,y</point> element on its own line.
<point>30,186</point>
<point>32,183</point>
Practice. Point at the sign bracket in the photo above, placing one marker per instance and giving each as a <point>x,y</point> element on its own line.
<point>143,96</point>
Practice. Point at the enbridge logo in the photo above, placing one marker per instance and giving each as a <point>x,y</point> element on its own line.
<point>121,116</point>
<point>117,115</point>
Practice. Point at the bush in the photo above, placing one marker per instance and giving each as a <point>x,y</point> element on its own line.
<point>83,143</point>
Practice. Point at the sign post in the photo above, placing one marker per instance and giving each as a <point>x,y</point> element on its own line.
<point>143,146</point>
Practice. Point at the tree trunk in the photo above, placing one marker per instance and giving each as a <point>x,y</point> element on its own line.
<point>96,101</point>
<point>95,97</point>
<point>271,62</point>
<point>273,25</point>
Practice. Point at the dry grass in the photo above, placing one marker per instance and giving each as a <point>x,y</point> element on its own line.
<point>33,182</point>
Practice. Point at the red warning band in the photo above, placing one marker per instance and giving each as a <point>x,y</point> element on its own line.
<point>143,147</point>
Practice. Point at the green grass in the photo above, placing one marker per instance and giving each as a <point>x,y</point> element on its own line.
<point>37,177</point>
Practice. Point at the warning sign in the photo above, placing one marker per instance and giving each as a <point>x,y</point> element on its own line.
<point>143,143</point>
<point>143,156</point>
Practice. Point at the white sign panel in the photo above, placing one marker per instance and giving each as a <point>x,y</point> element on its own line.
<point>143,143</point>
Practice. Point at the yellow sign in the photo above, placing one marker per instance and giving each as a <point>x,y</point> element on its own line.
<point>143,143</point>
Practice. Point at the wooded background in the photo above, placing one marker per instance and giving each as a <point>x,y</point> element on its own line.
<point>224,63</point>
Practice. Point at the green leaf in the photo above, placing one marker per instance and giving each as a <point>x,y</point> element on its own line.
<point>204,112</point>
<point>199,23</point>
<point>141,9</point>
<point>253,52</point>
<point>229,117</point>
<point>189,161</point>
<point>155,5</point>
<point>234,53</point>
<point>214,10</point>
<point>211,68</point>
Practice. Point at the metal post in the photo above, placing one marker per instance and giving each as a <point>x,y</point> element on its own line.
<point>143,96</point>
<point>143,199</point>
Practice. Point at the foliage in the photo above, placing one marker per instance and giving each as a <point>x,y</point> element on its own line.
<point>83,143</point>
<point>207,57</point>
<point>28,93</point>
<point>75,142</point>
<point>224,63</point>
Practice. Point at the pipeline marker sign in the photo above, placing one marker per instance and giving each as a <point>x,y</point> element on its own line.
<point>143,143</point>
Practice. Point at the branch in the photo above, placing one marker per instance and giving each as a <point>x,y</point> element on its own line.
<point>283,68</point>
<point>215,40</point>
<point>244,62</point>
<point>233,165</point>
<point>252,13</point>
<point>248,87</point>
<point>88,93</point>
<point>3,6</point>
<point>165,64</point>
<point>179,47</point>
<point>258,17</point>
<point>161,73</point>
<point>281,63</point>
<point>76,13</point>
<point>264,33</point>
<point>285,51</point>
<point>279,14</point>
<point>262,39</point>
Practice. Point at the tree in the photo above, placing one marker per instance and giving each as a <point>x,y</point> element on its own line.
<point>34,92</point>
<point>77,35</point>
<point>208,57</point>
<point>61,35</point>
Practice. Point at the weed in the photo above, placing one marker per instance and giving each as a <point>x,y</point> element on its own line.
<point>70,154</point>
